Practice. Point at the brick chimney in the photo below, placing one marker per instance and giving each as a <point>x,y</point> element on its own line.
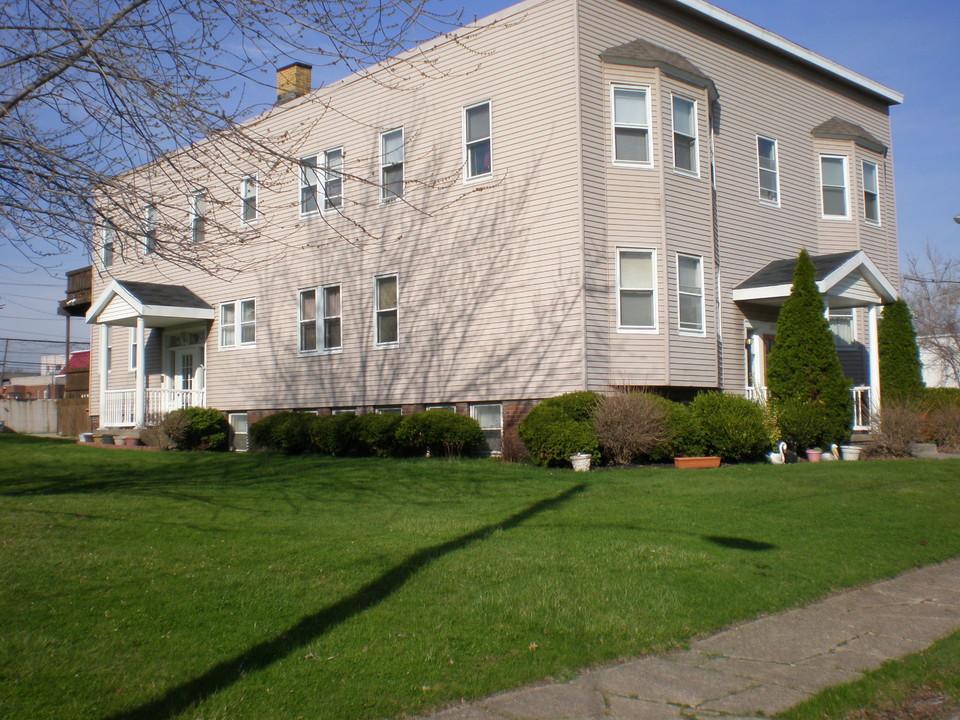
<point>293,81</point>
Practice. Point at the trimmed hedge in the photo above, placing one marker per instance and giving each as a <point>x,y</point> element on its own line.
<point>378,434</point>
<point>561,426</point>
<point>286,432</point>
<point>197,428</point>
<point>730,426</point>
<point>337,435</point>
<point>437,430</point>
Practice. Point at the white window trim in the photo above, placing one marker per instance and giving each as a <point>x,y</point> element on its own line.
<point>388,410</point>
<point>499,427</point>
<point>320,319</point>
<point>695,172</point>
<point>467,177</point>
<point>254,181</point>
<point>441,406</point>
<point>301,184</point>
<point>300,320</point>
<point>614,124</point>
<point>149,229</point>
<point>376,312</point>
<point>132,349</point>
<point>230,421</point>
<point>776,157</point>
<point>633,329</point>
<point>846,187</point>
<point>703,304</point>
<point>344,411</point>
<point>237,325</point>
<point>107,338</point>
<point>322,189</point>
<point>198,218</point>
<point>854,334</point>
<point>863,179</point>
<point>383,166</point>
<point>108,245</point>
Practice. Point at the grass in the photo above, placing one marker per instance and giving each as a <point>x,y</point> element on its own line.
<point>167,585</point>
<point>889,691</point>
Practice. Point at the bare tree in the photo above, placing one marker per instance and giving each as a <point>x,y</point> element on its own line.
<point>92,88</point>
<point>931,287</point>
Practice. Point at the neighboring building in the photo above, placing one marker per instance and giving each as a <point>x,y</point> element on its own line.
<point>583,194</point>
<point>940,357</point>
<point>33,387</point>
<point>76,375</point>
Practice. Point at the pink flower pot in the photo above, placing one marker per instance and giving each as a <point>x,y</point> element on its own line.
<point>814,455</point>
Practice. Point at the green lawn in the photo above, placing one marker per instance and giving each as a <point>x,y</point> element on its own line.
<point>166,585</point>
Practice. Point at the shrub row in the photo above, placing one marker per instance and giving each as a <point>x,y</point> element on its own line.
<point>436,431</point>
<point>633,426</point>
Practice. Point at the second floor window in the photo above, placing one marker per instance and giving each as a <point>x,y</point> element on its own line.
<point>198,216</point>
<point>149,229</point>
<point>109,235</point>
<point>387,305</point>
<point>248,199</point>
<point>238,323</point>
<point>391,165</point>
<point>684,134</point>
<point>476,131</point>
<point>333,179</point>
<point>833,185</point>
<point>631,125</point>
<point>871,193</point>
<point>636,285</point>
<point>768,170</point>
<point>308,185</point>
<point>690,292</point>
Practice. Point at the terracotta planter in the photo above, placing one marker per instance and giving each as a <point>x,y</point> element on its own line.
<point>814,455</point>
<point>131,441</point>
<point>692,463</point>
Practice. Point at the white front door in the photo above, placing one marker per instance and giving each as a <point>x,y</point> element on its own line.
<point>188,369</point>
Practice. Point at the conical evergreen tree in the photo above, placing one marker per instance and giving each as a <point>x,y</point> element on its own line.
<point>901,374</point>
<point>804,377</point>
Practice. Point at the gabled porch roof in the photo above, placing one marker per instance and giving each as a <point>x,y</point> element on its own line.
<point>122,302</point>
<point>849,279</point>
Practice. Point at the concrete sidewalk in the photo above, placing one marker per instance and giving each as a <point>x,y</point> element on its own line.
<point>758,668</point>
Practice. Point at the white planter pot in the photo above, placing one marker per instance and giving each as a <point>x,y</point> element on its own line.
<point>850,452</point>
<point>581,462</point>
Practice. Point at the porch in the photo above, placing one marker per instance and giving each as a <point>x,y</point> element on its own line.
<point>862,404</point>
<point>182,319</point>
<point>119,407</point>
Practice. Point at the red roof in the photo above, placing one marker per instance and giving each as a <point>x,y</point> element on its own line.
<point>79,360</point>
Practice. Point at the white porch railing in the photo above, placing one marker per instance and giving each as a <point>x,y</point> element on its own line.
<point>861,403</point>
<point>119,405</point>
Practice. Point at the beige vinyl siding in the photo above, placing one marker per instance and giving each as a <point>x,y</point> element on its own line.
<point>490,300</point>
<point>761,93</point>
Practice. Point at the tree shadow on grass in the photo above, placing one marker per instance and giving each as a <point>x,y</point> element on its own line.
<point>312,627</point>
<point>737,543</point>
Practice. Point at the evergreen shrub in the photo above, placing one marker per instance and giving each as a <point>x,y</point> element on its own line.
<point>803,366</point>
<point>286,432</point>
<point>378,434</point>
<point>901,373</point>
<point>440,431</point>
<point>561,426</point>
<point>197,428</point>
<point>337,435</point>
<point>729,426</point>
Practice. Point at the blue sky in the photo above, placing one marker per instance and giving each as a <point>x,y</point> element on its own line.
<point>913,48</point>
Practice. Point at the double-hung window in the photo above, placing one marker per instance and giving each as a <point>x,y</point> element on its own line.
<point>631,125</point>
<point>333,179</point>
<point>476,139</point>
<point>248,199</point>
<point>391,165</point>
<point>386,308</point>
<point>871,193</point>
<point>238,323</point>
<point>768,170</point>
<point>308,185</point>
<point>833,185</point>
<point>490,418</point>
<point>636,290</point>
<point>149,229</point>
<point>685,134</point>
<point>198,216</point>
<point>319,319</point>
<point>109,235</point>
<point>690,292</point>
<point>132,350</point>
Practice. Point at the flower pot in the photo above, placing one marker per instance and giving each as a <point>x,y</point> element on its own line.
<point>131,441</point>
<point>581,462</point>
<point>814,455</point>
<point>693,463</point>
<point>850,452</point>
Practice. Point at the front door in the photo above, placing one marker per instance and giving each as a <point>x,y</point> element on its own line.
<point>188,369</point>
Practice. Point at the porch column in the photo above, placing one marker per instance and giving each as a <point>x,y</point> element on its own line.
<point>874,364</point>
<point>140,399</point>
<point>104,368</point>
